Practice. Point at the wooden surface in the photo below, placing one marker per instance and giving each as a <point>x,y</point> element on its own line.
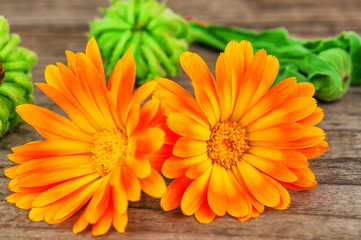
<point>330,211</point>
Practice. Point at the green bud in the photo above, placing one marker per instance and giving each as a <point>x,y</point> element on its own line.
<point>15,77</point>
<point>158,34</point>
<point>329,89</point>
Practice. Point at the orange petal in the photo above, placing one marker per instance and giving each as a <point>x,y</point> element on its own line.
<point>120,221</point>
<point>53,148</point>
<point>174,193</point>
<point>203,83</point>
<point>313,136</point>
<point>261,189</point>
<point>62,189</point>
<point>252,79</point>
<point>80,224</point>
<point>37,214</point>
<point>315,151</point>
<point>151,112</point>
<point>285,196</point>
<point>75,113</point>
<point>79,89</point>
<point>121,82</point>
<point>157,159</point>
<point>150,140</point>
<point>176,97</point>
<point>153,185</point>
<point>93,53</point>
<point>306,180</point>
<point>25,202</point>
<point>139,165</point>
<point>280,132</point>
<point>224,85</point>
<point>119,194</point>
<point>58,175</point>
<point>139,96</point>
<point>67,206</point>
<point>195,194</point>
<point>239,61</point>
<point>187,127</point>
<point>102,226</point>
<point>269,76</point>
<point>53,163</point>
<point>217,195</point>
<point>273,169</point>
<point>238,204</point>
<point>271,99</point>
<point>97,86</point>
<point>53,78</point>
<point>290,158</point>
<point>313,119</point>
<point>198,169</point>
<point>176,167</point>
<point>132,119</point>
<point>131,184</point>
<point>290,111</point>
<point>187,147</point>
<point>303,89</point>
<point>205,214</point>
<point>99,202</point>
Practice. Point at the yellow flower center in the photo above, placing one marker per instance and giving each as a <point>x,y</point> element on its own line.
<point>2,73</point>
<point>227,143</point>
<point>109,149</point>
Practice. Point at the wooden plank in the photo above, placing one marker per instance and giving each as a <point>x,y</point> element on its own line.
<point>301,18</point>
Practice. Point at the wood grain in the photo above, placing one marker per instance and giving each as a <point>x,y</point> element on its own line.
<point>330,211</point>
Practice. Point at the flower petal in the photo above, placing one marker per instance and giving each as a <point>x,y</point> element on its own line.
<point>313,119</point>
<point>273,169</point>
<point>150,140</point>
<point>121,82</point>
<point>290,111</point>
<point>272,98</point>
<point>176,167</point>
<point>198,169</point>
<point>224,85</point>
<point>177,98</point>
<point>139,165</point>
<point>238,204</point>
<point>50,122</point>
<point>217,195</point>
<point>174,193</point>
<point>280,132</point>
<point>252,79</point>
<point>75,113</point>
<point>153,185</point>
<point>187,127</point>
<point>203,83</point>
<point>261,189</point>
<point>120,221</point>
<point>53,147</point>
<point>93,53</point>
<point>204,214</point>
<point>187,147</point>
<point>62,189</point>
<point>290,158</point>
<point>195,194</point>
<point>131,184</point>
<point>105,222</point>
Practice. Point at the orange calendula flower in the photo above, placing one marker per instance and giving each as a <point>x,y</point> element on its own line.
<point>240,143</point>
<point>102,156</point>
